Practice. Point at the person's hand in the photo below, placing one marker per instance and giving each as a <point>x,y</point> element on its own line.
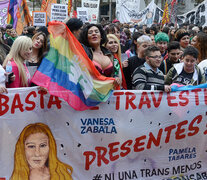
<point>43,89</point>
<point>9,79</point>
<point>117,81</point>
<point>125,63</point>
<point>167,88</point>
<point>3,89</point>
<point>12,78</point>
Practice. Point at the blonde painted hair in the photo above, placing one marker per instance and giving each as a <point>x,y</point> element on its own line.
<point>58,170</point>
<point>22,43</point>
<point>117,40</point>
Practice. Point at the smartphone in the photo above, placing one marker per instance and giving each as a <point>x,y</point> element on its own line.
<point>8,79</point>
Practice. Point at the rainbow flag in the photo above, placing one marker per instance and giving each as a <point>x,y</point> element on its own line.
<point>177,87</point>
<point>165,17</point>
<point>68,73</point>
<point>12,11</point>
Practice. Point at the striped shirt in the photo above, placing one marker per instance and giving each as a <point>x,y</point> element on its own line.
<point>145,78</point>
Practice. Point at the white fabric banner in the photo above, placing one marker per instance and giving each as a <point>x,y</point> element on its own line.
<point>93,9</point>
<point>146,16</point>
<point>152,12</point>
<point>126,11</point>
<point>135,135</point>
<point>196,16</point>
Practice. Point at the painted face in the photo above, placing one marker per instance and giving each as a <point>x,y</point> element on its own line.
<point>154,60</point>
<point>194,41</point>
<point>37,150</point>
<point>174,55</point>
<point>26,54</point>
<point>38,41</point>
<point>162,45</point>
<point>184,42</point>
<point>94,36</point>
<point>189,63</point>
<point>112,45</point>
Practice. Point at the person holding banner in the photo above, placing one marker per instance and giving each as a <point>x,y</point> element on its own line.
<point>92,38</point>
<point>186,72</point>
<point>148,76</point>
<point>35,156</point>
<point>21,50</point>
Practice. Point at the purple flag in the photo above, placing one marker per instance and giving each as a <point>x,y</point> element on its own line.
<point>3,12</point>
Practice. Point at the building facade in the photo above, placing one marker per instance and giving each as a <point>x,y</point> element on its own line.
<point>108,7</point>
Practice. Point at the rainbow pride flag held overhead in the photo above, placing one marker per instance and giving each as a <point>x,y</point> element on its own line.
<point>68,73</point>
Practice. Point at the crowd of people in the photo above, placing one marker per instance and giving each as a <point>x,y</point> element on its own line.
<point>137,56</point>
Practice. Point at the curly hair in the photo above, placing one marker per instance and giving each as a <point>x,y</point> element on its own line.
<point>84,34</point>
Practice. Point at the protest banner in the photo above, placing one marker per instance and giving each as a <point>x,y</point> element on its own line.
<point>197,16</point>
<point>126,11</point>
<point>82,13</point>
<point>39,18</point>
<point>152,13</point>
<point>59,12</point>
<point>3,12</point>
<point>135,135</point>
<point>146,16</point>
<point>93,9</point>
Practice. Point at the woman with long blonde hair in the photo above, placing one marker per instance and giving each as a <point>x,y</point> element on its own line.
<point>113,45</point>
<point>20,51</point>
<point>35,156</point>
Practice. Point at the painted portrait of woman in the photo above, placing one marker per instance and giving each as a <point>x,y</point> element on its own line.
<point>35,156</point>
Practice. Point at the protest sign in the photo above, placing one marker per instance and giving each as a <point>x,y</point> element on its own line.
<point>93,9</point>
<point>39,18</point>
<point>82,13</point>
<point>59,12</point>
<point>135,135</point>
<point>3,12</point>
